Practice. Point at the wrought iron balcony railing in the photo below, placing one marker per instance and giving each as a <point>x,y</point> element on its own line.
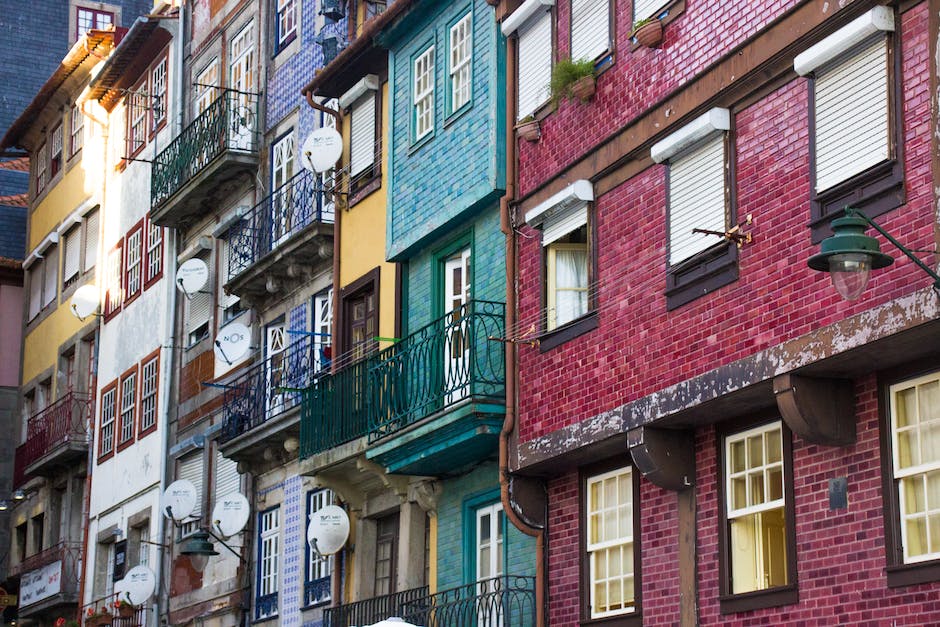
<point>270,388</point>
<point>70,553</point>
<point>294,205</point>
<point>111,610</point>
<point>372,610</point>
<point>229,123</point>
<point>506,601</point>
<point>60,566</point>
<point>441,364</point>
<point>60,424</point>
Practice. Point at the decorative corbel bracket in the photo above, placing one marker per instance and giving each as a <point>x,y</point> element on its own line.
<point>664,456</point>
<point>819,410</point>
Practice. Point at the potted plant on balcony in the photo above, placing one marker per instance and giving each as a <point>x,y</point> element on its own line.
<point>98,617</point>
<point>528,129</point>
<point>123,609</point>
<point>573,79</point>
<point>648,32</point>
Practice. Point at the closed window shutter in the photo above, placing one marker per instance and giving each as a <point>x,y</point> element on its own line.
<point>50,266</point>
<point>852,114</point>
<point>190,469</point>
<point>565,223</point>
<point>225,300</point>
<point>200,303</point>
<point>535,63</point>
<point>590,28</point>
<point>35,290</point>
<point>91,240</point>
<point>72,254</point>
<point>227,479</point>
<point>643,9</point>
<point>362,133</point>
<point>696,198</point>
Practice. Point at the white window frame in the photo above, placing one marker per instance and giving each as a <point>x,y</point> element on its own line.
<point>154,256</point>
<point>624,537</point>
<point>207,83</point>
<point>422,94</point>
<point>76,131</point>
<point>286,23</point>
<point>72,246</point>
<point>534,55</point>
<point>133,249</point>
<point>128,407</point>
<point>460,57</point>
<point>42,169</point>
<point>108,415</point>
<point>268,578</point>
<point>318,567</point>
<point>158,93</point>
<point>149,376</point>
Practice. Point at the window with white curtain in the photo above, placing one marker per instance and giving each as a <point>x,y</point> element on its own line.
<point>565,240</point>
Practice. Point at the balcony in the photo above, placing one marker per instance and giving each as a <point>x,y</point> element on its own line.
<point>49,580</point>
<point>283,241</point>
<point>111,611</point>
<point>206,161</point>
<point>372,610</point>
<point>56,437</point>
<point>262,405</point>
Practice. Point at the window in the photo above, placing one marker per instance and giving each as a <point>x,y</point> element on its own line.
<point>386,554</point>
<point>190,468</point>
<point>612,557</point>
<point>423,93</point>
<point>206,86</point>
<point>149,374</point>
<point>91,240</point>
<point>854,119</point>
<point>88,19</point>
<point>50,265</point>
<point>535,63</point>
<point>643,9</point>
<point>913,499</point>
<point>55,151</point>
<point>322,327</point>
<point>106,430</point>
<point>147,106</point>
<point>317,575</point>
<point>42,165</point>
<point>590,28</point>
<point>362,323</point>
<point>158,103</point>
<point>230,304</point>
<point>132,270</point>
<point>568,267</point>
<point>698,197</point>
<point>71,255</point>
<point>128,407</point>
<point>138,550</point>
<point>362,145</point>
<point>461,68</point>
<point>758,552</point>
<point>227,479</point>
<point>115,293</point>
<point>242,67</point>
<point>285,23</point>
<point>76,130</point>
<point>154,260</point>
<point>137,105</point>
<point>199,309</point>
<point>268,557</point>
<point>282,170</point>
<point>35,289</point>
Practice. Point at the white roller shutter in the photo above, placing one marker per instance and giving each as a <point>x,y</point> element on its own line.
<point>362,134</point>
<point>535,63</point>
<point>852,114</point>
<point>72,255</point>
<point>227,479</point>
<point>643,9</point>
<point>564,223</point>
<point>50,267</point>
<point>190,469</point>
<point>35,290</point>
<point>590,28</point>
<point>200,303</point>
<point>91,240</point>
<point>696,198</point>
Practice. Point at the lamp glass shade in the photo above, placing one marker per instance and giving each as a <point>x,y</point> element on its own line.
<point>4,506</point>
<point>199,561</point>
<point>849,273</point>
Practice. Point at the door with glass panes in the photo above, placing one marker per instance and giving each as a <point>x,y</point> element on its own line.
<point>489,565</point>
<point>282,170</point>
<point>275,367</point>
<point>242,83</point>
<point>457,346</point>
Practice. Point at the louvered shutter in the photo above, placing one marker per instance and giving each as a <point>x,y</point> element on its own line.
<point>225,300</point>
<point>35,289</point>
<point>535,63</point>
<point>91,240</point>
<point>72,255</point>
<point>190,469</point>
<point>696,198</point>
<point>200,303</point>
<point>564,223</point>
<point>50,267</point>
<point>590,28</point>
<point>643,9</point>
<point>362,134</point>
<point>852,114</point>
<point>227,479</point>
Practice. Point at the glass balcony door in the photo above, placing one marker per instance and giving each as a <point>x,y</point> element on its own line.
<point>457,344</point>
<point>242,81</point>
<point>276,367</point>
<point>489,559</point>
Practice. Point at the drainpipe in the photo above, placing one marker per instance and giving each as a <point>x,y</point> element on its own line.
<point>509,424</point>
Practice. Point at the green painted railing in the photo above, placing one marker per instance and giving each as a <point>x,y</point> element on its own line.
<point>229,123</point>
<point>453,359</point>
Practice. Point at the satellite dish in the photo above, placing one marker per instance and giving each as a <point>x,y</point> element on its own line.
<point>85,301</point>
<point>138,585</point>
<point>230,514</point>
<point>321,150</point>
<point>179,500</point>
<point>232,342</point>
<point>192,275</point>
<point>328,529</point>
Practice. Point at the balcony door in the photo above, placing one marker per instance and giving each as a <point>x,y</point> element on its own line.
<point>457,345</point>
<point>386,554</point>
<point>242,83</point>
<point>275,367</point>
<point>489,565</point>
<point>282,170</point>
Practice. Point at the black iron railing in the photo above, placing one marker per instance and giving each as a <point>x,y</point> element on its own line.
<point>270,388</point>
<point>229,123</point>
<point>299,202</point>
<point>506,601</point>
<point>372,610</point>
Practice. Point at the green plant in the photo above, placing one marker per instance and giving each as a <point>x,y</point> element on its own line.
<point>526,120</point>
<point>640,23</point>
<point>566,73</point>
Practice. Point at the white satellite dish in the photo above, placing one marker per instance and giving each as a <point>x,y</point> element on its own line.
<point>138,585</point>
<point>232,342</point>
<point>328,529</point>
<point>179,500</point>
<point>230,514</point>
<point>85,301</point>
<point>321,150</point>
<point>192,275</point>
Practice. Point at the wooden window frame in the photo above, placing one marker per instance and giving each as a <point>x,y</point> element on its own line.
<point>626,619</point>
<point>154,358</point>
<point>56,159</point>
<point>158,121</point>
<point>42,168</point>
<point>362,285</point>
<point>149,251</point>
<point>94,14</point>
<point>102,453</point>
<point>131,296</point>
<point>769,597</point>
<point>76,145</point>
<point>112,310</point>
<point>136,122</point>
<point>129,374</point>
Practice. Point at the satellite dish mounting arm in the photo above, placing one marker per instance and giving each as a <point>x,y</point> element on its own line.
<point>224,543</point>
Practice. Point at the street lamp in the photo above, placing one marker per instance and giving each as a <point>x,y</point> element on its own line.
<point>199,548</point>
<point>849,255</point>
